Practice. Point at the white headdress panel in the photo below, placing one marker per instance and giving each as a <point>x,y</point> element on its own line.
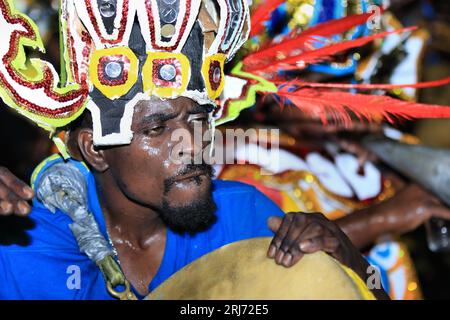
<point>180,15</point>
<point>92,15</point>
<point>234,18</point>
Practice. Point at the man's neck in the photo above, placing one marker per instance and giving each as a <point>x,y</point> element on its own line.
<point>128,221</point>
<point>137,233</point>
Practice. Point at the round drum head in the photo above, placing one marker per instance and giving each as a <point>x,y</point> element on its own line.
<point>241,270</point>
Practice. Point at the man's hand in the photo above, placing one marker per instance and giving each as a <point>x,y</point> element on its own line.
<point>300,233</point>
<point>14,194</point>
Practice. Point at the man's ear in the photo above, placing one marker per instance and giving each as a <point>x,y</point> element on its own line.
<point>95,157</point>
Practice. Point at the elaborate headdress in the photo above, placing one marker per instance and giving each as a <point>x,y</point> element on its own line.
<point>115,52</point>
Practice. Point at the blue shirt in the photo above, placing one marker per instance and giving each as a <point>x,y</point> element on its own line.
<point>47,263</point>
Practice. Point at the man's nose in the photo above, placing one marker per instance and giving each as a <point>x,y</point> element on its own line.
<point>188,145</point>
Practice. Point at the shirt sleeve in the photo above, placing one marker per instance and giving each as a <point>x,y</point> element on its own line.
<point>264,209</point>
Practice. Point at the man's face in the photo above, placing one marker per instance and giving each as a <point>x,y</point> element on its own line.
<point>153,169</point>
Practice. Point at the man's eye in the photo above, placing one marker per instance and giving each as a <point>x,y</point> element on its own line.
<point>154,130</point>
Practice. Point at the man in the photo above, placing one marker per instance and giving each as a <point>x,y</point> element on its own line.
<point>159,216</point>
<point>139,86</point>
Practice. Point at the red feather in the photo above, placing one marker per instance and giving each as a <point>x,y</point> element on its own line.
<point>365,86</point>
<point>337,106</point>
<point>261,14</point>
<point>325,29</point>
<point>318,55</point>
<point>332,27</point>
<point>338,25</point>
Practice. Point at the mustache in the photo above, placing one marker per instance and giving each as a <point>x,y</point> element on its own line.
<point>204,168</point>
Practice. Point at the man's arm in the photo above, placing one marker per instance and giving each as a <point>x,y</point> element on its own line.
<point>14,194</point>
<point>404,212</point>
<point>299,233</point>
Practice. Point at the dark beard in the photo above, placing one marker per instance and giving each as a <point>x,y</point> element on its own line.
<point>192,217</point>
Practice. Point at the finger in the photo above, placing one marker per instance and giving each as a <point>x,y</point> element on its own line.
<point>297,227</point>
<point>274,223</point>
<point>318,241</point>
<point>22,208</point>
<point>287,260</point>
<point>331,246</point>
<point>290,245</point>
<point>328,244</point>
<point>279,236</point>
<point>439,211</point>
<point>6,208</point>
<point>11,202</point>
<point>312,245</point>
<point>296,255</point>
<point>6,194</point>
<point>21,189</point>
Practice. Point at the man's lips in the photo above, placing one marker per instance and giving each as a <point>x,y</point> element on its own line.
<point>191,175</point>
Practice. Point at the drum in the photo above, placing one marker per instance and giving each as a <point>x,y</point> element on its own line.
<point>241,270</point>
